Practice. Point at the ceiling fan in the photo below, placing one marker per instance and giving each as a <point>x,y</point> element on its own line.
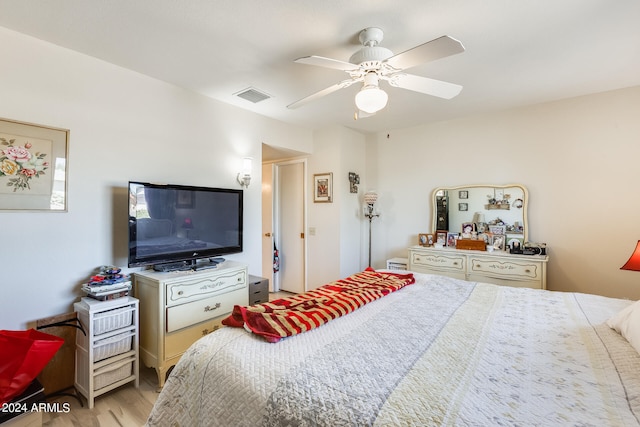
<point>373,63</point>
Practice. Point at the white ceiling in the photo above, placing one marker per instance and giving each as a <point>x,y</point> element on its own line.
<point>517,52</point>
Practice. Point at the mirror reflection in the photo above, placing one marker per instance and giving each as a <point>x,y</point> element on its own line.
<point>481,210</point>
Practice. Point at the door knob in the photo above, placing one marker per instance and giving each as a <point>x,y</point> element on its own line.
<point>267,234</point>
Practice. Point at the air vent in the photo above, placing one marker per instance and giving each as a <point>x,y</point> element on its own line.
<point>253,95</point>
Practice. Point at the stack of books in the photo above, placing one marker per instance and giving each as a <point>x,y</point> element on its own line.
<point>108,284</point>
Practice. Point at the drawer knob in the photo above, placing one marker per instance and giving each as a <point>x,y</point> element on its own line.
<point>527,271</point>
<point>180,292</point>
<point>209,308</point>
<point>455,263</point>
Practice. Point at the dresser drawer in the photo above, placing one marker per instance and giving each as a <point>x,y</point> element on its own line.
<point>178,342</point>
<point>194,288</point>
<point>258,290</point>
<point>452,263</point>
<point>183,315</point>
<point>519,270</point>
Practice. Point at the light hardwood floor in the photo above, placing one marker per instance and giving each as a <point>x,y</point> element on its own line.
<point>125,406</point>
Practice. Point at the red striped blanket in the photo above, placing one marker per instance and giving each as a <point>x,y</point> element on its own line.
<point>293,315</point>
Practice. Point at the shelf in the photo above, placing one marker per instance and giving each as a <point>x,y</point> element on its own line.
<point>503,207</point>
<point>104,322</point>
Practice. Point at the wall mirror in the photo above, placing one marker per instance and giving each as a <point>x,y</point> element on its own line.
<point>490,208</point>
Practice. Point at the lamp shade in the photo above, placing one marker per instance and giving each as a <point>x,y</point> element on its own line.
<point>633,263</point>
<point>370,197</point>
<point>246,166</point>
<point>371,99</point>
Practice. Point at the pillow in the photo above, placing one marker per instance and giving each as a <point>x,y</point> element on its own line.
<point>627,323</point>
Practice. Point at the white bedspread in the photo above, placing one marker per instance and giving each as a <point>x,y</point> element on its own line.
<point>438,352</point>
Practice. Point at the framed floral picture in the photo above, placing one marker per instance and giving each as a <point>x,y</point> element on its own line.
<point>323,187</point>
<point>33,167</point>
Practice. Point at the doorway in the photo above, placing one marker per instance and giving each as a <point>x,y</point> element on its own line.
<point>284,224</point>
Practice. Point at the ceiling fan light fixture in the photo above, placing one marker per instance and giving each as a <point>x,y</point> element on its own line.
<point>371,99</point>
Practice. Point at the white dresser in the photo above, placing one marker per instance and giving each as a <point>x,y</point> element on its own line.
<point>178,308</point>
<point>501,268</point>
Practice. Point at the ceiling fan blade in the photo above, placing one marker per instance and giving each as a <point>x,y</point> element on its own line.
<point>425,85</point>
<point>321,61</point>
<point>320,94</point>
<point>430,51</point>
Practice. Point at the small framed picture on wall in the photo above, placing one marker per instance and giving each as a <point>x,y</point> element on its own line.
<point>323,188</point>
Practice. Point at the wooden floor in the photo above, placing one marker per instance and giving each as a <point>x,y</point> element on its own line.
<point>126,406</point>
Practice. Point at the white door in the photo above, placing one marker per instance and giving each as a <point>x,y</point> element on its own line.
<point>291,225</point>
<point>267,225</point>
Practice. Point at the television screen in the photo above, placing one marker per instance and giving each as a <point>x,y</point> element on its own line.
<point>176,223</point>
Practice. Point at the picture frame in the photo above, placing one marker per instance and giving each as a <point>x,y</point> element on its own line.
<point>463,194</point>
<point>185,200</point>
<point>33,167</point>
<point>323,187</point>
<point>499,241</point>
<point>425,239</point>
<point>497,229</point>
<point>463,206</point>
<point>441,237</point>
<point>467,228</point>
<point>452,239</point>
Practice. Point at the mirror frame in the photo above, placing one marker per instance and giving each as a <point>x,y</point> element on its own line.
<point>525,202</point>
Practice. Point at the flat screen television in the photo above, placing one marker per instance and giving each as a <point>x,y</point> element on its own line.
<point>178,224</point>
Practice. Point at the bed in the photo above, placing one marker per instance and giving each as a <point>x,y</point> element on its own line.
<point>439,351</point>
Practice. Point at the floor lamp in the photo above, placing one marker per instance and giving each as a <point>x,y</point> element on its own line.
<point>370,199</point>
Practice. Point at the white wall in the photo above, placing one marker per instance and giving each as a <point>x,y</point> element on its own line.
<point>335,249</point>
<point>578,158</point>
<point>123,126</point>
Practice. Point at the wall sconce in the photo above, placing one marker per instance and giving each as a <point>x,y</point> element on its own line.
<point>354,180</point>
<point>244,177</point>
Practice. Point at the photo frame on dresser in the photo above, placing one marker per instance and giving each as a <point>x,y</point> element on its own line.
<point>425,239</point>
<point>452,239</point>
